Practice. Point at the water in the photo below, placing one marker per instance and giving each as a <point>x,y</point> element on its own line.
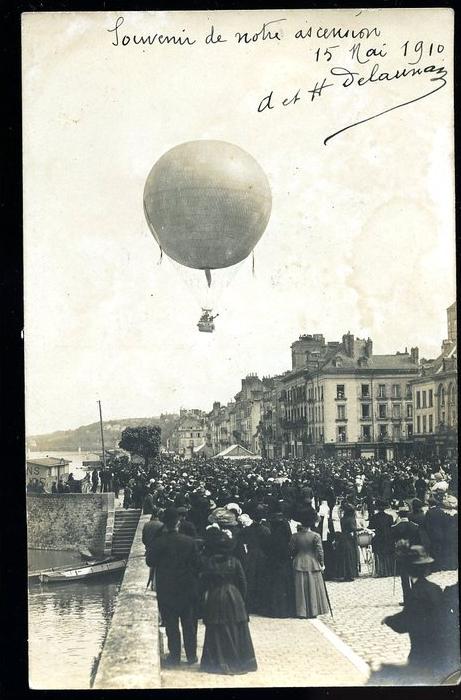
<point>39,559</point>
<point>67,625</point>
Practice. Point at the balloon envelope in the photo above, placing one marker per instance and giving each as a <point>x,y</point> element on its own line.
<point>207,203</point>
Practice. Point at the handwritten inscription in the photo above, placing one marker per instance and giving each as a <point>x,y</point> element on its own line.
<point>352,57</point>
<point>124,39</point>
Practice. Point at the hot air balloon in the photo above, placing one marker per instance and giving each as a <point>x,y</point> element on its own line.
<point>207,204</point>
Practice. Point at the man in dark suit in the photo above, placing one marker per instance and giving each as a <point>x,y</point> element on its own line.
<point>174,558</point>
<point>152,529</point>
<point>186,526</point>
<point>437,525</point>
<point>422,619</point>
<point>407,533</point>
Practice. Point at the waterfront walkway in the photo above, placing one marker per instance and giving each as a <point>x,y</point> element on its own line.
<point>338,651</point>
<point>289,653</point>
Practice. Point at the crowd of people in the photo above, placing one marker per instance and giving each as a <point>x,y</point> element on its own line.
<point>228,539</point>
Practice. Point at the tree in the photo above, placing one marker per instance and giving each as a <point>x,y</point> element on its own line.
<point>143,441</point>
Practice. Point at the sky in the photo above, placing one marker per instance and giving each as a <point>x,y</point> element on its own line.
<point>361,234</point>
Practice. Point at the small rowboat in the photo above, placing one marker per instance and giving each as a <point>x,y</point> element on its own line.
<point>70,574</point>
<point>34,576</point>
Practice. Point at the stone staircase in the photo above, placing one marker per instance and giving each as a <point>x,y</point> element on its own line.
<point>125,524</point>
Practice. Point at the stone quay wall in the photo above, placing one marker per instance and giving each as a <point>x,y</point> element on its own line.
<point>68,521</point>
<point>130,657</point>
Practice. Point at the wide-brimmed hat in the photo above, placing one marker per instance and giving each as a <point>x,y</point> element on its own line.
<point>223,517</point>
<point>234,506</point>
<point>417,555</point>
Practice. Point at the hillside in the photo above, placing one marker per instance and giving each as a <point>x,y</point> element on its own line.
<point>88,437</point>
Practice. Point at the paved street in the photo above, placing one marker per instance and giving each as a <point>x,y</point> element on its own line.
<point>358,608</point>
<point>289,653</point>
<point>303,653</point>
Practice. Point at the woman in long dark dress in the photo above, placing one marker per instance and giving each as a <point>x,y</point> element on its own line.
<point>382,543</point>
<point>348,554</point>
<point>254,538</point>
<point>227,648</point>
<point>280,600</point>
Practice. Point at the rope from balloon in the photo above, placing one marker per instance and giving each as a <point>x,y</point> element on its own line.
<point>208,276</point>
<point>253,262</point>
<point>161,256</point>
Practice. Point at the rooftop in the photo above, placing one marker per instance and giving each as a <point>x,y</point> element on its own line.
<point>49,462</point>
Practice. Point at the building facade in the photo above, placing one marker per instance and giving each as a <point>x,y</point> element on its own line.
<point>190,434</point>
<point>435,399</point>
<point>341,398</point>
<point>219,434</point>
<point>346,400</point>
<point>269,429</point>
<point>247,410</point>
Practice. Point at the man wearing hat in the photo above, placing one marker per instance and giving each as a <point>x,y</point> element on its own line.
<point>437,524</point>
<point>405,534</point>
<point>174,557</point>
<point>186,526</point>
<point>422,620</point>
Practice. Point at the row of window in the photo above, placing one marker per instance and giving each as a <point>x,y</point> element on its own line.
<point>424,399</point>
<point>382,411</point>
<point>427,424</point>
<point>396,391</point>
<point>298,394</point>
<point>366,435</point>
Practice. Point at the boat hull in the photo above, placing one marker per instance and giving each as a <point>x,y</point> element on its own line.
<point>81,573</point>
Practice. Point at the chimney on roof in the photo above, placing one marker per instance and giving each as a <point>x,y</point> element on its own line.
<point>368,347</point>
<point>348,343</point>
<point>414,352</point>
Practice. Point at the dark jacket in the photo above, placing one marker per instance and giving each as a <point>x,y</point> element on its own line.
<point>422,619</point>
<point>406,530</point>
<point>436,524</point>
<point>187,527</point>
<point>450,627</point>
<point>148,505</point>
<point>383,541</point>
<point>151,530</point>
<point>176,563</point>
<point>224,582</point>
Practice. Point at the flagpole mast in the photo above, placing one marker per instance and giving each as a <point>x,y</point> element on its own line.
<point>102,436</point>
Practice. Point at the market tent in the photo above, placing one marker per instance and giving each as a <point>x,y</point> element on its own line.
<point>237,452</point>
<point>203,450</point>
